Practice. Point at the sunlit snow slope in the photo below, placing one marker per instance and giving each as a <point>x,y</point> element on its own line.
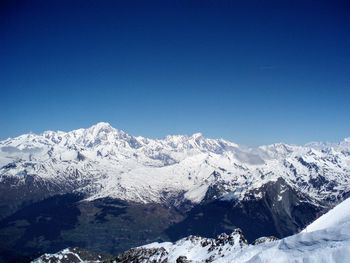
<point>325,240</point>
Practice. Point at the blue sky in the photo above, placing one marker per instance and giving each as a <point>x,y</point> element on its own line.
<point>253,72</point>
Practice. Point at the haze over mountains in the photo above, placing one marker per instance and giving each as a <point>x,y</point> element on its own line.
<point>117,191</point>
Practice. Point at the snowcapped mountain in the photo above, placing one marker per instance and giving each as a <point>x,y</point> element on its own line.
<point>104,162</point>
<point>103,189</point>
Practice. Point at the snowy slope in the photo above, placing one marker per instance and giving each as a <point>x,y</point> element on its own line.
<point>338,216</point>
<point>325,240</point>
<point>102,161</point>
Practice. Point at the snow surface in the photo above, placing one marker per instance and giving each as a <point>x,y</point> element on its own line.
<point>338,216</point>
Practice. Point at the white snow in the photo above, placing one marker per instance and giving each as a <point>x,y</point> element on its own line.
<point>338,216</point>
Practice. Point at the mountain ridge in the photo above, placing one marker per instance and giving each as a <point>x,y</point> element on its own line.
<point>115,153</point>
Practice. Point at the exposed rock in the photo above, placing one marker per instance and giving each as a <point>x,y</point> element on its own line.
<point>262,240</point>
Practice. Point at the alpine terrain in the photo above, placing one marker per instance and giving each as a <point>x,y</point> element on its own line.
<point>104,190</point>
<point>325,240</point>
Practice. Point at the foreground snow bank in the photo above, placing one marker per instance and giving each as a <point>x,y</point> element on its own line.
<point>338,216</point>
<point>328,245</point>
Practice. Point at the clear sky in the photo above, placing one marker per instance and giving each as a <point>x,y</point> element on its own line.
<point>253,72</point>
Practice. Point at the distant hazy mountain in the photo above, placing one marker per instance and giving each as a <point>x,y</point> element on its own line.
<point>106,190</point>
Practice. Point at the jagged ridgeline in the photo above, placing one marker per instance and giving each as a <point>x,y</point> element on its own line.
<point>102,189</point>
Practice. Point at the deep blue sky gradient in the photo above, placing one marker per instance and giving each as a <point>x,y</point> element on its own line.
<point>253,72</point>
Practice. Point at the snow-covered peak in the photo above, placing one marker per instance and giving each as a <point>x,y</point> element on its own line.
<point>343,145</point>
<point>103,134</point>
<point>101,127</point>
<point>197,136</point>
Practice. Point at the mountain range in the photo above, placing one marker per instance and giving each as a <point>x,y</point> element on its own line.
<point>102,189</point>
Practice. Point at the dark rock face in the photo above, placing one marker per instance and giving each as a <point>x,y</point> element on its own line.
<point>224,238</point>
<point>15,195</point>
<point>262,240</point>
<point>25,189</point>
<point>156,255</point>
<point>182,259</point>
<point>37,228</point>
<point>281,211</point>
